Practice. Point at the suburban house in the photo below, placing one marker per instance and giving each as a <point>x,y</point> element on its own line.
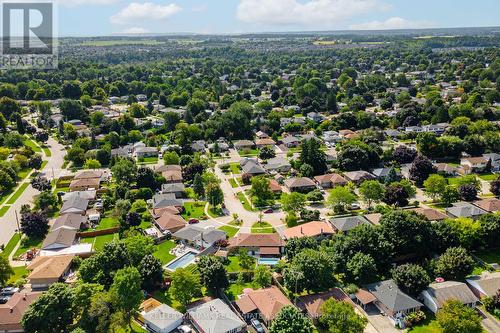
<point>373,218</point>
<point>331,137</point>
<point>75,205</point>
<point>165,199</point>
<point>178,189</point>
<point>215,316</point>
<point>172,176</point>
<point>261,135</point>
<point>261,143</point>
<point>258,244</point>
<point>47,270</point>
<point>300,184</point>
<point>464,209</point>
<point>438,293</point>
<point>473,164</point>
<point>485,285</point>
<point>262,303</point>
<point>243,144</point>
<point>494,159</point>
<point>490,204</point>
<point>446,169</point>
<point>199,237</point>
<point>84,184</point>
<point>311,304</point>
<point>121,152</point>
<point>359,176</point>
<point>251,166</point>
<point>59,238</point>
<point>168,167</point>
<point>430,214</point>
<point>316,229</point>
<point>290,141</point>
<point>391,301</point>
<point>74,221</point>
<point>159,317</point>
<point>274,186</point>
<point>218,147</point>
<point>13,310</point>
<point>330,180</point>
<point>88,174</point>
<point>278,164</point>
<point>89,195</point>
<point>198,146</point>
<point>344,224</point>
<point>143,152</point>
<point>170,222</point>
<point>382,173</point>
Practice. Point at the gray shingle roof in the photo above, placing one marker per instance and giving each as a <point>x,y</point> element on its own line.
<point>444,291</point>
<point>163,316</point>
<point>349,222</point>
<point>388,293</point>
<point>216,317</point>
<point>164,200</point>
<point>465,209</point>
<point>75,203</point>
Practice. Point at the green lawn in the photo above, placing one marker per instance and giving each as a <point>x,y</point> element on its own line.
<point>28,244</point>
<point>99,241</point>
<point>4,196</point>
<point>234,264</point>
<point>233,183</point>
<point>215,212</point>
<point>19,272</point>
<point>107,222</point>
<point>262,228</point>
<point>194,210</point>
<point>30,143</point>
<point>9,247</point>
<point>235,289</point>
<point>18,193</point>
<point>44,163</point>
<point>24,173</point>
<point>429,325</point>
<point>248,152</point>
<point>491,256</point>
<point>235,168</point>
<point>136,328</point>
<point>245,202</point>
<point>4,210</point>
<point>229,230</point>
<point>162,252</point>
<point>148,160</point>
<point>47,151</point>
<point>488,177</point>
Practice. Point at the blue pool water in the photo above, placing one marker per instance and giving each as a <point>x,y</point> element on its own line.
<point>268,261</point>
<point>182,261</point>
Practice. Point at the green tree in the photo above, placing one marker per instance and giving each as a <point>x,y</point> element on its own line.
<point>151,272</point>
<point>310,270</point>
<point>185,285</point>
<point>262,276</point>
<point>214,194</point>
<point>312,155</point>
<point>291,320</point>
<point>411,278</point>
<point>361,268</point>
<point>293,202</point>
<point>171,158</point>
<point>450,195</point>
<point>213,273</point>
<point>371,191</point>
<point>261,191</point>
<point>340,317</point>
<point>5,270</point>
<point>435,185</point>
<point>339,198</point>
<point>91,164</point>
<point>469,231</point>
<point>51,312</point>
<point>295,245</point>
<point>198,187</point>
<point>124,171</point>
<point>454,264</point>
<point>246,260</point>
<point>126,291</point>
<point>455,317</point>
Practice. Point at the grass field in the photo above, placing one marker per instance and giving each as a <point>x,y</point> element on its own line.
<point>236,289</point>
<point>18,193</point>
<point>492,256</point>
<point>28,244</point>
<point>248,152</point>
<point>11,244</point>
<point>4,210</point>
<point>229,230</point>
<point>162,252</point>
<point>107,222</point>
<point>47,151</point>
<point>148,160</point>
<point>99,241</point>
<point>233,183</point>
<point>24,173</point>
<point>195,210</point>
<point>19,272</point>
<point>245,202</point>
<point>429,325</point>
<point>235,168</point>
<point>30,143</point>
<point>262,228</point>
<point>488,177</point>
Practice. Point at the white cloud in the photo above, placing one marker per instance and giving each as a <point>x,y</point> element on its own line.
<point>393,23</point>
<point>146,11</point>
<point>74,3</point>
<point>314,13</point>
<point>135,30</point>
<point>200,8</point>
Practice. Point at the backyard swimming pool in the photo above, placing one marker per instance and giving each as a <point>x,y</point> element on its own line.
<point>183,261</point>
<point>268,261</point>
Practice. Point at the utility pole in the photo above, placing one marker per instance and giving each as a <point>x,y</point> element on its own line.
<point>17,221</point>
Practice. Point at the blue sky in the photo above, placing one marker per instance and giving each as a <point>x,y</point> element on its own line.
<point>105,17</point>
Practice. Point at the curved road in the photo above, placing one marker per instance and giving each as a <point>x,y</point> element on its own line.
<point>8,224</point>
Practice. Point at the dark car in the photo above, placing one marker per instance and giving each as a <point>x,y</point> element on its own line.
<point>257,325</point>
<point>4,299</point>
<point>269,211</point>
<point>193,221</point>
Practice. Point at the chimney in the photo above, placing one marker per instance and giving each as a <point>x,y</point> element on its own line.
<point>11,310</point>
<point>301,230</point>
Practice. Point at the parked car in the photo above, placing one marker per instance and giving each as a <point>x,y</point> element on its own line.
<point>268,211</point>
<point>4,299</point>
<point>9,291</point>
<point>257,325</point>
<point>193,221</point>
<point>184,329</point>
<point>354,206</point>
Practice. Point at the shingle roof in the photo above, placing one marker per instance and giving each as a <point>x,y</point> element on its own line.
<point>164,200</point>
<point>299,182</point>
<point>216,316</point>
<point>268,302</point>
<point>312,303</point>
<point>256,240</point>
<point>170,221</point>
<point>162,316</point>
<point>388,293</point>
<point>75,203</point>
<point>489,282</point>
<point>349,222</point>
<point>444,291</point>
<point>61,237</point>
<point>465,209</point>
<point>69,220</point>
<point>489,204</point>
<point>51,267</point>
<point>310,229</point>
<point>12,312</point>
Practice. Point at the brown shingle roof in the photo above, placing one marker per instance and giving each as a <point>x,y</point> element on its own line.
<point>12,312</point>
<point>312,303</point>
<point>268,302</point>
<point>170,222</point>
<point>256,240</point>
<point>50,267</point>
<point>172,175</point>
<point>311,229</point>
<point>85,182</point>
<point>86,174</point>
<point>299,182</point>
<point>334,178</point>
<point>489,205</point>
<point>430,214</point>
